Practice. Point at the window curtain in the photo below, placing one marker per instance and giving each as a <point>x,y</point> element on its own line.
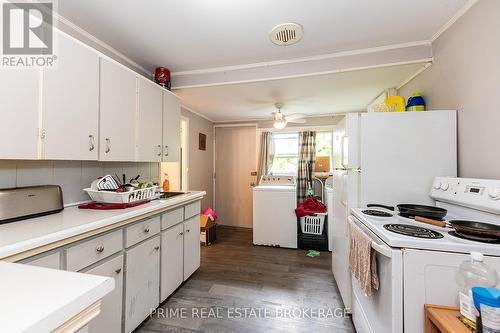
<point>266,155</point>
<point>307,154</point>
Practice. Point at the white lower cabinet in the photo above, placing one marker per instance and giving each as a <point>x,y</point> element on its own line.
<point>172,248</point>
<point>191,246</point>
<point>110,318</point>
<point>142,281</point>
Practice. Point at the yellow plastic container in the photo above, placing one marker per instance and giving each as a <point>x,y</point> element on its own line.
<point>395,103</point>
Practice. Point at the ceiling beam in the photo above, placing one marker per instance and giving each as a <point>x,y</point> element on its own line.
<point>407,53</point>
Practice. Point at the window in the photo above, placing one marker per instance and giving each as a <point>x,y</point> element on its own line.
<point>324,148</point>
<point>286,151</point>
<point>286,154</point>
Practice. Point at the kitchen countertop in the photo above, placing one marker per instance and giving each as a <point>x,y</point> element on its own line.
<point>25,235</point>
<point>27,306</point>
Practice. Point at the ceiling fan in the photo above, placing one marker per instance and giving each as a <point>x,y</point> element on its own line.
<point>280,120</point>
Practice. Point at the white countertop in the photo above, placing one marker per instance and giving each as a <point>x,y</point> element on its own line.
<point>35,299</point>
<point>20,236</point>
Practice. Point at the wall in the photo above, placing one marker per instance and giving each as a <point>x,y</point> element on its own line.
<point>466,76</point>
<point>200,161</point>
<point>72,176</point>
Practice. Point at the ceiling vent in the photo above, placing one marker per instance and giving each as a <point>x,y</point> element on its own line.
<point>286,34</point>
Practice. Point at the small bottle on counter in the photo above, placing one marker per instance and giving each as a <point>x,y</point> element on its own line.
<point>166,184</point>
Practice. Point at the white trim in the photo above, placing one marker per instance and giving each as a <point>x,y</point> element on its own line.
<point>236,125</point>
<point>318,128</point>
<point>461,12</point>
<point>99,42</point>
<point>414,75</point>
<point>319,115</point>
<point>301,59</point>
<point>187,108</point>
<point>293,76</point>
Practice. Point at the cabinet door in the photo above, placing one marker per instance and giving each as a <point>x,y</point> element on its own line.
<point>171,127</point>
<point>19,105</point>
<point>142,288</point>
<point>118,110</point>
<point>110,318</point>
<point>149,126</point>
<point>171,260</point>
<point>191,246</point>
<point>71,103</point>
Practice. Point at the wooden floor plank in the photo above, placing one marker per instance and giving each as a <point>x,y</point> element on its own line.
<point>235,274</point>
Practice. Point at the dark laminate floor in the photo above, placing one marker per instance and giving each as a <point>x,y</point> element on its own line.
<point>261,283</point>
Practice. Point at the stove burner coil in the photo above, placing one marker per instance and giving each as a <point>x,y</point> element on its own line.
<point>413,231</point>
<point>377,213</point>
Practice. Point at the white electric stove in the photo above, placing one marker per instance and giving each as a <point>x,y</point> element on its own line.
<point>414,271</point>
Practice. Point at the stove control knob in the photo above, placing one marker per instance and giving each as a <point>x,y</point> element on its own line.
<point>437,185</point>
<point>494,193</point>
<point>445,186</point>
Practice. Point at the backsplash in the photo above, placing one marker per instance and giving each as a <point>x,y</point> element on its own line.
<point>72,176</point>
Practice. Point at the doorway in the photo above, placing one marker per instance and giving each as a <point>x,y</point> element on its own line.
<point>184,165</point>
<point>235,161</point>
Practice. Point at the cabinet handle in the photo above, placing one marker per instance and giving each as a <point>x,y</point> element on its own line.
<point>100,248</point>
<point>188,230</point>
<point>108,145</point>
<point>166,150</point>
<point>146,230</point>
<point>157,248</point>
<point>159,150</point>
<point>91,142</point>
<point>117,271</point>
<point>181,233</point>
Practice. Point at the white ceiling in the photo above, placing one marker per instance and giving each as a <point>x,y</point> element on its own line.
<point>199,34</point>
<point>313,95</point>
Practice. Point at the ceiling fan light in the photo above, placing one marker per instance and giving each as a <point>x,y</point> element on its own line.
<point>279,124</point>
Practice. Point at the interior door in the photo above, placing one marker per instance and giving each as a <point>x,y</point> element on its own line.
<point>235,160</point>
<point>71,105</point>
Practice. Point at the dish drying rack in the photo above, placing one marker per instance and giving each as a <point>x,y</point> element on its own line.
<point>110,197</point>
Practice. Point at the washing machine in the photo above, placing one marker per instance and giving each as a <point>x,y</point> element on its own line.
<point>274,220</point>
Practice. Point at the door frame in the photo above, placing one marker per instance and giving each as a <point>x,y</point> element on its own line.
<point>184,152</point>
<point>214,159</point>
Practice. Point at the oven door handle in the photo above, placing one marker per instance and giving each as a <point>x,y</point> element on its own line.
<point>383,250</point>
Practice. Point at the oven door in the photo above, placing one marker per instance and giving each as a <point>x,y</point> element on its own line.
<point>383,311</point>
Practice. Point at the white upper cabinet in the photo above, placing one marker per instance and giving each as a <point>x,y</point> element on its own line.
<point>19,105</point>
<point>71,103</point>
<point>149,121</point>
<point>171,127</point>
<point>118,112</point>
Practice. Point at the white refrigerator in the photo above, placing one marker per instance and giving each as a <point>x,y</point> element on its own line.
<point>386,158</point>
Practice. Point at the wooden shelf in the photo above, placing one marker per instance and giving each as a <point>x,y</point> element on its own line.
<point>443,319</point>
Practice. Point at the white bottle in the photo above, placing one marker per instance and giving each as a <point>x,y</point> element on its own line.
<point>473,273</point>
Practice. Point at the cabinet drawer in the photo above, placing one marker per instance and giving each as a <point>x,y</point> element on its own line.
<point>192,209</point>
<point>91,251</point>
<point>48,261</point>
<point>171,218</point>
<point>142,230</point>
